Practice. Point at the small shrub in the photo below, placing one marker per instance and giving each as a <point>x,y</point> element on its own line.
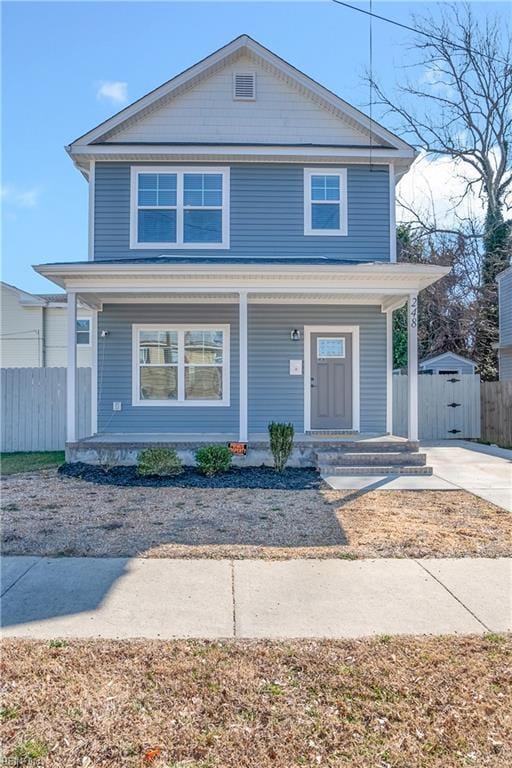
<point>281,443</point>
<point>159,461</point>
<point>213,459</point>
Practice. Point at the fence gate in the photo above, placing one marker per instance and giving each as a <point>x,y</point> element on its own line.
<point>448,406</point>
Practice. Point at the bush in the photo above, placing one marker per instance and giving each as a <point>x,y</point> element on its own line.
<point>159,461</point>
<point>213,459</point>
<point>281,443</point>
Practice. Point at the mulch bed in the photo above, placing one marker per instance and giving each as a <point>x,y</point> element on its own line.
<point>380,703</point>
<point>236,477</point>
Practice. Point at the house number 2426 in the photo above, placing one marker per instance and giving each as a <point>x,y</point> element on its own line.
<point>413,315</point>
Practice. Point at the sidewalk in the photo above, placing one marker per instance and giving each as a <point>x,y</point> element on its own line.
<point>158,598</point>
<point>483,470</point>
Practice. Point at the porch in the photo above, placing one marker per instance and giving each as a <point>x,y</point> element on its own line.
<point>362,454</point>
<point>270,314</point>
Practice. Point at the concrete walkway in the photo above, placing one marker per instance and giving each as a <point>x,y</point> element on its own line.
<point>159,598</point>
<point>483,470</point>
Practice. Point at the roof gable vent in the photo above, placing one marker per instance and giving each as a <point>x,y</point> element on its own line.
<point>244,86</point>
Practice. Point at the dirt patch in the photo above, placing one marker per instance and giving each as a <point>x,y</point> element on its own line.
<point>47,514</point>
<point>404,702</point>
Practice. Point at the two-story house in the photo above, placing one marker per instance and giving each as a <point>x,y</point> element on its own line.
<point>242,259</point>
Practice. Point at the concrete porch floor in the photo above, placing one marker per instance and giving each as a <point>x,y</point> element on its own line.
<point>159,438</point>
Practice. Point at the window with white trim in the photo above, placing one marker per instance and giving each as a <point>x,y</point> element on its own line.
<point>179,207</point>
<point>181,365</point>
<point>83,332</point>
<point>325,201</point>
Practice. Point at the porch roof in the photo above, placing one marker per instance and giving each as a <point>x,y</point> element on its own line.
<point>286,280</point>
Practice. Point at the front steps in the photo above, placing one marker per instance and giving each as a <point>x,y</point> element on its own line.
<point>372,458</point>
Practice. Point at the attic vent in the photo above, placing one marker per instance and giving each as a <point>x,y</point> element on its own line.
<point>244,86</point>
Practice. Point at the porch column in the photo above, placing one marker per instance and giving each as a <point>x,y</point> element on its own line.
<point>389,371</point>
<point>71,372</point>
<point>242,331</point>
<point>94,372</point>
<point>412,359</point>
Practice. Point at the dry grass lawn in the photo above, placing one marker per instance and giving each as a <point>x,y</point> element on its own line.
<point>47,514</point>
<point>382,703</point>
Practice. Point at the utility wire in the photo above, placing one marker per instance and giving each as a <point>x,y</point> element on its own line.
<point>420,32</point>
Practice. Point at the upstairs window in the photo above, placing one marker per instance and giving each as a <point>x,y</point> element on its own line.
<point>179,207</point>
<point>325,201</point>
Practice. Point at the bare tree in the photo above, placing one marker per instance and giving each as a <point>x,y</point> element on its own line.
<point>462,108</point>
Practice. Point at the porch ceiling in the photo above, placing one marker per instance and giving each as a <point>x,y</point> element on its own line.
<point>386,284</point>
<point>98,299</point>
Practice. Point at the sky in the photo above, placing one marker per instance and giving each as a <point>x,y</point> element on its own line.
<point>67,66</point>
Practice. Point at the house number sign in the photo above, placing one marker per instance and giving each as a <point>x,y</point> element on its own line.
<point>413,312</point>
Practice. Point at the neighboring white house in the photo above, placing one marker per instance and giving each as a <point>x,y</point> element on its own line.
<point>448,363</point>
<point>33,331</point>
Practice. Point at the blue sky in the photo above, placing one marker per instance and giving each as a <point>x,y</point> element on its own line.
<point>69,65</point>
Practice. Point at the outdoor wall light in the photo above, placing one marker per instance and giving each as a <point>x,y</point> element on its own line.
<point>295,335</point>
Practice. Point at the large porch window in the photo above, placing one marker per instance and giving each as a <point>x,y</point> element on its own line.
<point>180,365</point>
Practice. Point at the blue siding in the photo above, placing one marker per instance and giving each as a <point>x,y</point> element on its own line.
<point>267,215</point>
<point>505,308</point>
<point>273,393</point>
<point>115,371</point>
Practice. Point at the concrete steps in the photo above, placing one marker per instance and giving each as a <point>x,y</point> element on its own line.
<point>375,458</point>
<point>391,458</point>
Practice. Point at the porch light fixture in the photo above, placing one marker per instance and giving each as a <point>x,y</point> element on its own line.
<point>295,335</point>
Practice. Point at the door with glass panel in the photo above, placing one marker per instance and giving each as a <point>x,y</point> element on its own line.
<point>331,381</point>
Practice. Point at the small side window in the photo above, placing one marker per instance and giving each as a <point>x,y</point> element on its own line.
<point>83,332</point>
<point>325,201</point>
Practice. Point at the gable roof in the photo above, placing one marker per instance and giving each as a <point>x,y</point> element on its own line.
<point>447,354</point>
<point>237,47</point>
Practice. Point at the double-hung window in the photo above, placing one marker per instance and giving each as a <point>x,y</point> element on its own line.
<point>83,332</point>
<point>325,201</point>
<point>179,207</point>
<point>181,365</point>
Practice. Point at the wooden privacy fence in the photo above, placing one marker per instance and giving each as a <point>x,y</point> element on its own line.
<point>448,406</point>
<point>34,408</point>
<point>497,412</point>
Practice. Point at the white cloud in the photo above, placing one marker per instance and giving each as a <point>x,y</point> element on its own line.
<point>434,189</point>
<point>20,197</point>
<point>113,90</point>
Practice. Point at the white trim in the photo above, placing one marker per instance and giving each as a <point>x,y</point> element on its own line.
<point>389,372</point>
<point>92,205</point>
<point>243,363</point>
<point>392,213</point>
<point>71,369</point>
<point>181,328</point>
<point>179,170</point>
<point>94,372</point>
<point>435,359</point>
<point>244,73</point>
<point>245,44</point>
<point>412,363</point>
<point>341,173</point>
<point>354,330</point>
